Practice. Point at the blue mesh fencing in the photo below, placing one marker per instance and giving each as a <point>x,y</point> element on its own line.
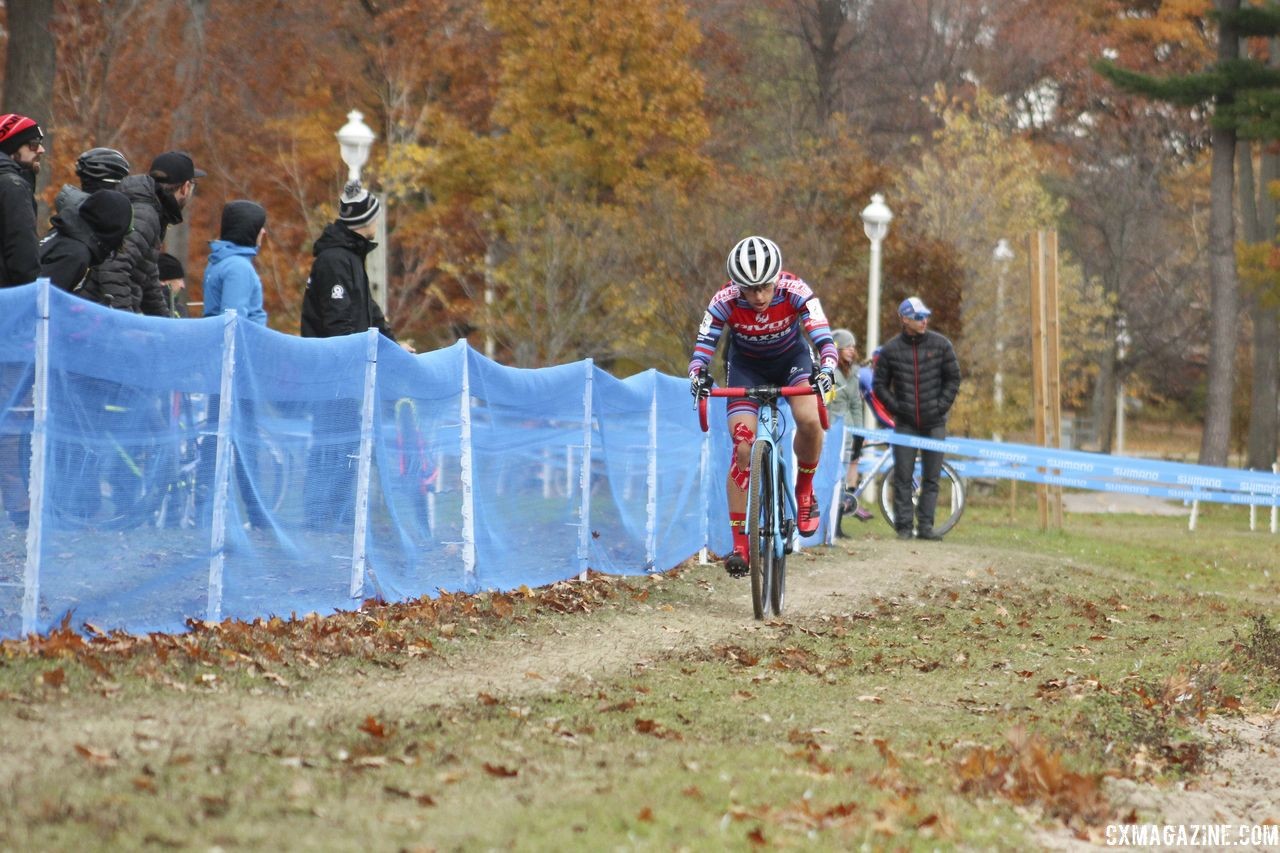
<point>204,469</point>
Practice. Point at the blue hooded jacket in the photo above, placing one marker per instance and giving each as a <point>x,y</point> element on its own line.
<point>231,282</point>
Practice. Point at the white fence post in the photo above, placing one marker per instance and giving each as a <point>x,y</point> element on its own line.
<point>833,526</point>
<point>39,445</point>
<point>468,474</point>
<point>222,469</point>
<point>359,556</point>
<point>651,504</point>
<point>704,472</point>
<point>584,512</point>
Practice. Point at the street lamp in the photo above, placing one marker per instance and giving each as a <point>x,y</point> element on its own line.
<point>1122,349</point>
<point>354,141</point>
<point>1002,255</point>
<point>875,221</point>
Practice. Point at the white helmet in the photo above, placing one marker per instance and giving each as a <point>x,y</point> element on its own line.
<point>754,262</point>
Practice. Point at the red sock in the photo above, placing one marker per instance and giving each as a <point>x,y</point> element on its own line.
<point>804,476</point>
<point>738,524</point>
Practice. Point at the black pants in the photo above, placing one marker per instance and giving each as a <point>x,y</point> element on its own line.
<point>904,463</point>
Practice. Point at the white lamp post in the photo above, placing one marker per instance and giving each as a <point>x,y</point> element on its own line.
<point>354,141</point>
<point>1002,255</point>
<point>1122,347</point>
<point>875,221</point>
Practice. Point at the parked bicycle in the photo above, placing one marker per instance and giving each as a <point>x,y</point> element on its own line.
<point>951,492</point>
<point>771,503</point>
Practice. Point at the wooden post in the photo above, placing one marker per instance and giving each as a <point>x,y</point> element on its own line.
<point>1053,363</point>
<point>1035,248</point>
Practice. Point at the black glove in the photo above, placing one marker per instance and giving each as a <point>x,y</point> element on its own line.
<point>700,384</point>
<point>823,380</point>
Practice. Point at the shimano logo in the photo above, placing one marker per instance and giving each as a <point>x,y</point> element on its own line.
<point>1207,482</point>
<point>1069,465</point>
<point>1003,455</point>
<point>1127,489</point>
<point>1136,474</point>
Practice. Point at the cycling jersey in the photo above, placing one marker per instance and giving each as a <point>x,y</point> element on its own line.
<point>764,335</point>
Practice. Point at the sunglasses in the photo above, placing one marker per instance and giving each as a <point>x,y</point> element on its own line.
<point>916,317</point>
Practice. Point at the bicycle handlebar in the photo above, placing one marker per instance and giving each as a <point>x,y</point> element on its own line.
<point>765,394</point>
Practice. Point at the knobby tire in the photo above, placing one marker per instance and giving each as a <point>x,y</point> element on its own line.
<point>760,527</point>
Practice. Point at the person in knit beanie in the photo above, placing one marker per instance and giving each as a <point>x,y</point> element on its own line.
<point>174,279</point>
<point>78,245</point>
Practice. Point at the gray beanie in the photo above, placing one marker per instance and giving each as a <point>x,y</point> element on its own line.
<point>844,338</point>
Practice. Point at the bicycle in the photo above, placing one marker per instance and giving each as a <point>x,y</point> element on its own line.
<point>951,491</point>
<point>771,504</point>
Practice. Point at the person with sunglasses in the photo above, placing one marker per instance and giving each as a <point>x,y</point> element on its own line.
<point>771,317</point>
<point>917,377</point>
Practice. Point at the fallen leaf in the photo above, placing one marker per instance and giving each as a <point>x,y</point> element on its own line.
<point>373,728</point>
<point>500,771</point>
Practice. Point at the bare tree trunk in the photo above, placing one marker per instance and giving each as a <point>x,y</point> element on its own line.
<point>1224,308</point>
<point>1263,417</point>
<point>29,67</point>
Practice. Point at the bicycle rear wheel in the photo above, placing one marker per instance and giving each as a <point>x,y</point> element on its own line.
<point>950,497</point>
<point>760,527</point>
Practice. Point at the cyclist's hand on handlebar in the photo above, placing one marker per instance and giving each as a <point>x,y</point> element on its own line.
<point>700,384</point>
<point>823,381</point>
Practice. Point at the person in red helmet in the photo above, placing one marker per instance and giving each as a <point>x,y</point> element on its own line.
<point>21,153</point>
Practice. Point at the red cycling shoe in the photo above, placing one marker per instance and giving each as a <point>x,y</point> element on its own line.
<point>807,514</point>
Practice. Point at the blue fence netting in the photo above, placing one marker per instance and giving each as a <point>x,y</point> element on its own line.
<point>213,468</point>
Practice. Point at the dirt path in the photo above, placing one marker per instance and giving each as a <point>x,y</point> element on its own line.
<point>560,652</point>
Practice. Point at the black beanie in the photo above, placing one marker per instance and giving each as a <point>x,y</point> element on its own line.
<point>241,222</point>
<point>109,215</point>
<point>170,268</point>
<point>358,206</point>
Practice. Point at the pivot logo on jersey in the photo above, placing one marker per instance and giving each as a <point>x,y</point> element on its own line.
<point>762,318</point>
<point>337,292</point>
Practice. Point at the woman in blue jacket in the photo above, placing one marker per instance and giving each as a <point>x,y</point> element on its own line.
<point>231,281</point>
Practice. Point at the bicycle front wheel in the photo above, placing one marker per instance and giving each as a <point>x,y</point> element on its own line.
<point>950,497</point>
<point>760,527</point>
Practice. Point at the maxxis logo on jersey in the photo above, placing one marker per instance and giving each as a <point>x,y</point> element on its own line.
<point>705,327</point>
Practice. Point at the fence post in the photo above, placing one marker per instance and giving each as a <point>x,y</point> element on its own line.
<point>359,557</point>
<point>467,474</point>
<point>584,512</point>
<point>651,504</point>
<point>833,527</point>
<point>222,468</point>
<point>39,444</point>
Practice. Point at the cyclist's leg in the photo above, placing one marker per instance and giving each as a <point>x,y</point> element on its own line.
<point>904,464</point>
<point>742,431</point>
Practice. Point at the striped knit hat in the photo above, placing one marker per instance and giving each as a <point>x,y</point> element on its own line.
<point>358,206</point>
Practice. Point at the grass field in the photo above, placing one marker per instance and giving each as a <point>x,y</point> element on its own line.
<point>988,692</point>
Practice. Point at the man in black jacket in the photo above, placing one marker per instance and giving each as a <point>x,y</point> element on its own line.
<point>21,147</point>
<point>338,299</point>
<point>131,281</point>
<point>917,377</point>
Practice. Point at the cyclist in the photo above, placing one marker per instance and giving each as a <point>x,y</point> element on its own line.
<point>765,309</point>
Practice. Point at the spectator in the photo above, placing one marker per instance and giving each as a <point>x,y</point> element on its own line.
<point>98,169</point>
<point>230,281</point>
<point>78,244</point>
<point>917,378</point>
<point>158,199</point>
<point>848,404</point>
<point>338,300</point>
<point>21,149</point>
<point>174,279</point>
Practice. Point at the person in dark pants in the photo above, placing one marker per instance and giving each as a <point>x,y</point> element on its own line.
<point>339,301</point>
<point>21,153</point>
<point>917,378</point>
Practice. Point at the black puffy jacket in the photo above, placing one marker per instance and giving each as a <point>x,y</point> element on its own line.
<point>68,252</point>
<point>917,378</point>
<point>338,300</point>
<point>19,245</point>
<point>130,279</point>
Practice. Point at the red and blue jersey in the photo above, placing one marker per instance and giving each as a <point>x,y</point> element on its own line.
<point>767,334</point>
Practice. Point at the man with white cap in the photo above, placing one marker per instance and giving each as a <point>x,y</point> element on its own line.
<point>917,378</point>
